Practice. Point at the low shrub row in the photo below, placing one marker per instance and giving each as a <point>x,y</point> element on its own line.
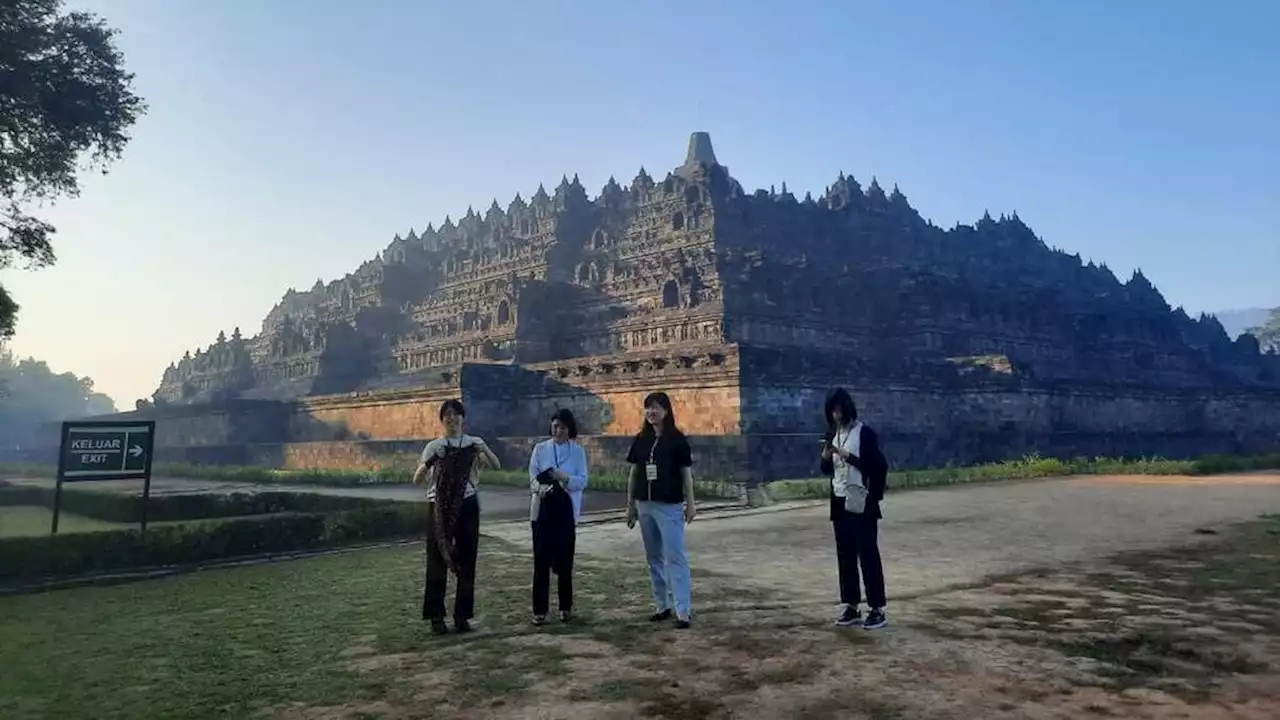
<point>122,508</point>
<point>29,559</point>
<point>1031,466</point>
<point>617,482</point>
<point>1035,466</point>
<point>602,482</point>
<point>245,474</point>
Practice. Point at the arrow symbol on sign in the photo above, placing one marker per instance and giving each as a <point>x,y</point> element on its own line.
<point>136,451</point>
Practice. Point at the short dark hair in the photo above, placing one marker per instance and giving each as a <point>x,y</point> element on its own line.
<point>839,398</point>
<point>567,420</point>
<point>454,405</point>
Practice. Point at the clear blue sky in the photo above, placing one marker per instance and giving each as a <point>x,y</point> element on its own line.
<point>288,140</point>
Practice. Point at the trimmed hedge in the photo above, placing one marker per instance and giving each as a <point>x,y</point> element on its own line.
<point>123,508</point>
<point>27,559</point>
<point>602,482</point>
<point>1031,466</point>
<point>617,482</point>
<point>1034,466</point>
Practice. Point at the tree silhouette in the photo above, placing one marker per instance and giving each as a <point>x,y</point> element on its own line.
<point>65,103</point>
<point>1268,333</point>
<point>31,395</point>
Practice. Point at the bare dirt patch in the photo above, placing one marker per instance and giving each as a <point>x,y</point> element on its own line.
<point>1016,607</point>
<point>1181,632</point>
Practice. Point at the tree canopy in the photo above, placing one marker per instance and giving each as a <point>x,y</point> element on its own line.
<point>31,394</point>
<point>1268,333</point>
<point>66,104</point>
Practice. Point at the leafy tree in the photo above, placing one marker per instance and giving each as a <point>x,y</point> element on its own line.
<point>31,395</point>
<point>65,103</point>
<point>1268,333</point>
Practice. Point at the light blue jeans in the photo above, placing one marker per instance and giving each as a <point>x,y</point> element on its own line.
<point>662,527</point>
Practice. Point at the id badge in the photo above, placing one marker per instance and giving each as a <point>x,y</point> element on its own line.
<point>650,472</point>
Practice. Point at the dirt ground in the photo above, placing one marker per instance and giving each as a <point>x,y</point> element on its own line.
<point>1136,597</point>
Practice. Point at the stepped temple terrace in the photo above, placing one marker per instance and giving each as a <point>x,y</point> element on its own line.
<point>968,344</point>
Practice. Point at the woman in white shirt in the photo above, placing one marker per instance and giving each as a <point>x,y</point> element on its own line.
<point>450,467</point>
<point>557,478</point>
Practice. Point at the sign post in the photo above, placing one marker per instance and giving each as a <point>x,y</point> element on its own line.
<point>105,450</point>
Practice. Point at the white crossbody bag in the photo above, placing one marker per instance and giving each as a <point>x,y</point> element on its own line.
<point>855,491</point>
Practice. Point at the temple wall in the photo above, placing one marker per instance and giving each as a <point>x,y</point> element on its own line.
<point>381,416</point>
<point>949,414</point>
<point>233,422</point>
<point>751,415</point>
<point>606,395</point>
<point>719,456</point>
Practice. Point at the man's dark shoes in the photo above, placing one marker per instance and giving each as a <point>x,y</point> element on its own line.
<point>849,616</point>
<point>875,619</point>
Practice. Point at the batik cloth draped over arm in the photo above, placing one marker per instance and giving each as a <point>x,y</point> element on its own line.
<point>452,473</point>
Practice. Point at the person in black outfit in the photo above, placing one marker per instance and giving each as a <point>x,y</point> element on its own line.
<point>557,478</point>
<point>852,458</point>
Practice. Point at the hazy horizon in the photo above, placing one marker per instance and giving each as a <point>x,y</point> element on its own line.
<point>284,146</point>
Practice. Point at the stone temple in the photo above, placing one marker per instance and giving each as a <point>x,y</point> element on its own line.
<point>963,345</point>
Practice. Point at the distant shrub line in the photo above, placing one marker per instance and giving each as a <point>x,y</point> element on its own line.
<point>603,482</point>
<point>1031,466</point>
<point>1035,466</point>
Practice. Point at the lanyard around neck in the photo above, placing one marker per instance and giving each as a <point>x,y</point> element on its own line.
<point>841,441</point>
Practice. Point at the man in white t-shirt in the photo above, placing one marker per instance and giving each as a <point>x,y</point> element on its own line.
<point>453,517</point>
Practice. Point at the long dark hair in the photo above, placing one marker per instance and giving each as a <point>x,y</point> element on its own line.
<point>839,398</point>
<point>567,420</point>
<point>669,427</point>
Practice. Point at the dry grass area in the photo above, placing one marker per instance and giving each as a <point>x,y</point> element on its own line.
<point>1190,632</point>
<point>748,657</point>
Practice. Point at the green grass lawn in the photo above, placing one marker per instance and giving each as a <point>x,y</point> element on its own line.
<point>341,636</point>
<point>232,643</point>
<point>29,520</point>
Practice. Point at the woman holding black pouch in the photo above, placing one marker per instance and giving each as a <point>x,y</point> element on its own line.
<point>557,479</point>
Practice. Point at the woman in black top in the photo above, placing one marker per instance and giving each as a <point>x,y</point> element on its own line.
<point>852,458</point>
<point>660,497</point>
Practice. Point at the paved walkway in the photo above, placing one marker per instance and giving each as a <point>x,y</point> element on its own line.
<point>938,539</point>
